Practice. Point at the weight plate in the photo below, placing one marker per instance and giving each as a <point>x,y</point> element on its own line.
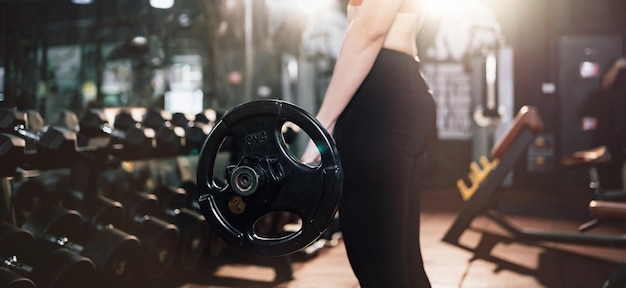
<point>268,178</point>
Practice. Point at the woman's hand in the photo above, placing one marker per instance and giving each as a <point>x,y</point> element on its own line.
<point>311,154</point>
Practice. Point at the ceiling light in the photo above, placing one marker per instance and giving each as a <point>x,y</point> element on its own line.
<point>162,4</point>
<point>82,2</point>
<point>139,41</point>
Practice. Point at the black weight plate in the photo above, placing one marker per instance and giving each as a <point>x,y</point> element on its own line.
<point>312,193</point>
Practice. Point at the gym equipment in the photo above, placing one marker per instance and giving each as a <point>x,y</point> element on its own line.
<point>267,178</point>
<point>100,213</point>
<point>9,279</point>
<point>27,196</point>
<point>170,139</point>
<point>195,132</point>
<point>507,150</point>
<point>194,231</point>
<point>159,238</point>
<point>135,143</point>
<point>112,251</point>
<point>591,159</point>
<point>191,190</point>
<point>607,206</point>
<point>52,269</point>
<point>54,147</point>
<point>11,153</point>
<point>476,176</point>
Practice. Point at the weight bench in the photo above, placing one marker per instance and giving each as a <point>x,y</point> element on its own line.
<point>480,194</point>
<point>507,150</point>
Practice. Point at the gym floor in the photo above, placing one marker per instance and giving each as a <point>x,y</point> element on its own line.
<point>486,256</point>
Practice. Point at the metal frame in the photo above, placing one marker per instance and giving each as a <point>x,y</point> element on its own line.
<point>483,200</point>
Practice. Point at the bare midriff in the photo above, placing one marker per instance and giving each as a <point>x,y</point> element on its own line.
<point>403,32</point>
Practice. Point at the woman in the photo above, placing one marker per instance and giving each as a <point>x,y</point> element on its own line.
<point>381,114</point>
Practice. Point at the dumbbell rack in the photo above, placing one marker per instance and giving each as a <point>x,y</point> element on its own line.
<point>86,167</point>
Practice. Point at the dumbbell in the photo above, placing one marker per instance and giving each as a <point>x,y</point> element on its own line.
<point>194,230</point>
<point>130,142</point>
<point>67,119</point>
<point>12,150</point>
<point>208,116</point>
<point>191,191</point>
<point>10,279</point>
<point>159,239</point>
<point>54,147</point>
<point>215,246</point>
<point>170,140</point>
<point>46,268</point>
<point>101,213</point>
<point>27,196</point>
<point>195,131</point>
<point>112,251</point>
<point>47,147</point>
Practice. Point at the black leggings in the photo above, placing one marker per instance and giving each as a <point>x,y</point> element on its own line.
<point>381,137</point>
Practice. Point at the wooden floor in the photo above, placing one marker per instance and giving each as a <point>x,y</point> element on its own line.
<point>486,257</point>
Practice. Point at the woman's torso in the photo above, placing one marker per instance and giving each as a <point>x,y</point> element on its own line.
<point>404,30</point>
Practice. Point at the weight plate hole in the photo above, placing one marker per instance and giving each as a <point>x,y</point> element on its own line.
<point>277,224</point>
<point>222,160</point>
<point>296,140</point>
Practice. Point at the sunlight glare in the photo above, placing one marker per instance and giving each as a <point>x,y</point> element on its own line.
<point>438,7</point>
<point>309,6</point>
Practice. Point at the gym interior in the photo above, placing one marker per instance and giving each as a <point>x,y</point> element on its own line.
<point>119,122</point>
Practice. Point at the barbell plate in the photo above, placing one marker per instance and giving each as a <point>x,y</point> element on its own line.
<point>311,192</point>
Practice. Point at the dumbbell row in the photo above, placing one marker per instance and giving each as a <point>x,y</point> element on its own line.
<point>112,251</point>
<point>158,238</point>
<point>132,209</point>
<point>46,269</point>
<point>50,149</point>
<point>155,136</point>
<point>158,134</point>
<point>177,205</point>
<point>167,205</point>
<point>57,147</point>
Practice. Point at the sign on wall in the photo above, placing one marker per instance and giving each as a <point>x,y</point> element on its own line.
<point>451,88</point>
<point>65,63</point>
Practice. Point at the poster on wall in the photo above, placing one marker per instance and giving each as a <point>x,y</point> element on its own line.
<point>462,30</point>
<point>64,62</point>
<point>451,88</point>
<point>117,82</point>
<point>185,83</point>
